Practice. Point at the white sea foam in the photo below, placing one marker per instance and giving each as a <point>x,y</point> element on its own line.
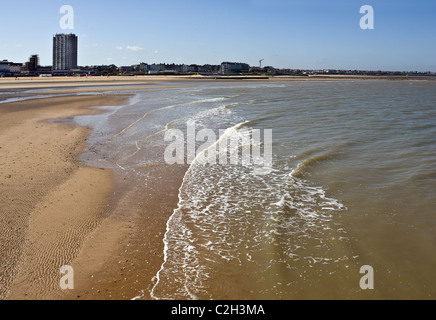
<point>147,114</point>
<point>222,209</point>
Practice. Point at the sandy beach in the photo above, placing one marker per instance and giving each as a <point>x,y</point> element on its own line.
<point>50,204</point>
<point>57,212</point>
<point>77,82</point>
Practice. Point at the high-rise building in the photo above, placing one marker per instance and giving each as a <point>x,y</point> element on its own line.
<point>65,51</point>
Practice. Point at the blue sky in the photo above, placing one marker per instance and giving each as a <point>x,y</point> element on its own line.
<point>304,34</point>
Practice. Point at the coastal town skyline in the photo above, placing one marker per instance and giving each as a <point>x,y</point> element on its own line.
<point>65,57</point>
<point>310,35</point>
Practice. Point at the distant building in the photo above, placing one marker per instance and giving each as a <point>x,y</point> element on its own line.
<point>16,68</point>
<point>5,67</point>
<point>125,69</point>
<point>65,51</point>
<point>156,68</point>
<point>104,70</point>
<point>30,68</point>
<point>234,67</point>
<point>143,67</point>
<point>32,64</point>
<point>209,69</point>
<point>10,68</point>
<point>44,70</point>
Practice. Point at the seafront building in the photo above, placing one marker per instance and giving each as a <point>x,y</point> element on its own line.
<point>15,68</point>
<point>65,51</point>
<point>234,67</point>
<point>33,63</point>
<point>8,68</point>
<point>5,67</point>
<point>65,63</point>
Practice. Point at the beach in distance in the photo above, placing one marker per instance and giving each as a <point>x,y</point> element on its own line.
<point>85,183</point>
<point>10,82</point>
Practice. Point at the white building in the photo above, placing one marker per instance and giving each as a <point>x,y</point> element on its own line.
<point>15,68</point>
<point>233,67</point>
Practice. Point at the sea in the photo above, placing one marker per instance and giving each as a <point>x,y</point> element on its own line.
<point>343,209</point>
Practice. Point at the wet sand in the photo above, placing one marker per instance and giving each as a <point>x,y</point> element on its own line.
<point>50,205</point>
<point>122,256</point>
<point>57,212</point>
<point>97,81</point>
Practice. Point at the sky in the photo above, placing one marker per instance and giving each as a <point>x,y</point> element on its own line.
<point>297,34</point>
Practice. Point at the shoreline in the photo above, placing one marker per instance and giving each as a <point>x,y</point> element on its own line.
<point>50,203</point>
<point>118,265</point>
<point>63,82</point>
<point>96,220</point>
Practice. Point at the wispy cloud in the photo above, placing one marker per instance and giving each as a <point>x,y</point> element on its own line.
<point>134,48</point>
<point>130,48</point>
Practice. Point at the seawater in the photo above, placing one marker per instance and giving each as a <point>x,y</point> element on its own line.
<point>352,183</point>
